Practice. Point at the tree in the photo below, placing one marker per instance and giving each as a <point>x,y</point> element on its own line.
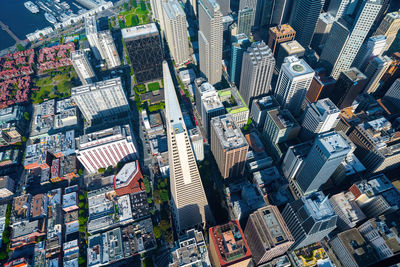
<point>20,47</point>
<point>101,170</point>
<point>164,225</point>
<point>80,205</point>
<point>126,6</point>
<point>81,260</point>
<point>149,200</point>
<point>146,184</point>
<point>142,5</point>
<point>26,116</point>
<point>164,196</point>
<point>23,139</point>
<point>3,255</point>
<point>133,3</point>
<point>157,232</point>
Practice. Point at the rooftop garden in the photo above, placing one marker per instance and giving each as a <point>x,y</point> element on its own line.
<point>134,14</point>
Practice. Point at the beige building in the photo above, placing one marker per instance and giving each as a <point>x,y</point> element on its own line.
<point>188,199</point>
<point>6,186</point>
<point>228,146</point>
<point>267,234</point>
<point>389,27</point>
<point>176,30</point>
<point>280,34</point>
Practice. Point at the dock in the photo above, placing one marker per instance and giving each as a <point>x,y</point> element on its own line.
<point>4,27</point>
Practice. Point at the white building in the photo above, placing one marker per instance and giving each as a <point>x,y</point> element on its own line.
<point>210,40</point>
<point>196,139</point>
<point>106,148</point>
<point>375,70</point>
<point>101,100</point>
<point>176,30</point>
<point>6,186</point>
<point>320,117</point>
<point>188,199</point>
<point>294,80</point>
<point>107,49</point>
<point>91,35</point>
<point>257,68</point>
<point>389,27</point>
<point>347,209</point>
<point>346,38</point>
<point>82,67</point>
<point>373,47</point>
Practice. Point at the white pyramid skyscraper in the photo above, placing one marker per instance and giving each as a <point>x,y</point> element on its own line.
<point>189,202</point>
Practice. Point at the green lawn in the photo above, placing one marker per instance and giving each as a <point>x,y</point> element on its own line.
<point>153,86</point>
<point>134,17</point>
<point>54,86</point>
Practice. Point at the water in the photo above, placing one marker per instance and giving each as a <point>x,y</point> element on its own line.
<point>21,21</point>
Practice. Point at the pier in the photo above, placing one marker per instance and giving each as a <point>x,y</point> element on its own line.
<point>7,29</point>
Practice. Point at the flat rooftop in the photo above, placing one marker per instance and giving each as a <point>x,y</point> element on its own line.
<point>327,18</point>
<point>266,102</point>
<point>318,206</point>
<point>283,29</point>
<point>293,47</point>
<point>141,31</point>
<point>354,75</point>
<point>104,136</point>
<point>87,88</point>
<point>274,223</point>
<point>296,67</point>
<point>283,119</point>
<point>229,135</point>
<point>333,143</point>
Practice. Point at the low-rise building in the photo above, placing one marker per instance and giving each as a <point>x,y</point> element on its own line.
<point>260,107</point>
<point>6,186</point>
<point>191,251</point>
<point>228,245</point>
<point>348,211</point>
<point>71,253</point>
<point>53,242</point>
<point>21,208</point>
<point>25,233</point>
<point>70,202</point>
<point>129,179</point>
<point>105,248</point>
<point>138,238</point>
<point>39,205</point>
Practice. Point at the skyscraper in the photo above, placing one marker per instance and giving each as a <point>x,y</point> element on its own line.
<point>107,49</point>
<point>393,94</point>
<point>341,8</point>
<point>82,67</point>
<point>210,40</point>
<point>176,31</point>
<point>349,85</point>
<point>389,27</point>
<point>91,35</point>
<point>328,151</point>
<point>291,48</point>
<point>267,234</point>
<point>245,20</point>
<point>305,18</point>
<point>143,44</point>
<point>101,100</point>
<point>309,218</point>
<point>280,34</point>
<point>269,13</point>
<point>293,82</point>
<point>319,117</point>
<point>375,70</point>
<point>240,43</point>
<point>324,26</point>
<point>257,67</point>
<point>225,6</point>
<point>211,106</point>
<point>347,36</point>
<point>228,146</point>
<point>188,199</point>
<point>374,46</point>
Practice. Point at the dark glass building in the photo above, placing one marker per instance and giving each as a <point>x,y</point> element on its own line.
<point>143,44</point>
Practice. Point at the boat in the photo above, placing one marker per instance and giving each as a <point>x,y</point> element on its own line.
<point>31,7</point>
<point>50,18</point>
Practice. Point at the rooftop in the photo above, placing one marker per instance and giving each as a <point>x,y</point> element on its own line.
<point>333,143</point>
<point>266,102</point>
<point>211,102</point>
<point>318,206</point>
<point>296,67</point>
<point>282,118</point>
<point>258,51</point>
<point>232,100</point>
<point>327,18</point>
<point>292,47</point>
<point>230,243</point>
<point>129,178</point>
<point>87,88</point>
<point>109,135</point>
<point>354,74</point>
<point>283,29</point>
<point>141,31</point>
<point>229,135</point>
<point>346,204</point>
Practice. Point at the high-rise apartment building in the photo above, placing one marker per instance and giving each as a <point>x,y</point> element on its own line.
<point>375,70</point>
<point>389,27</point>
<point>143,44</point>
<point>291,48</point>
<point>240,43</point>
<point>347,36</point>
<point>260,107</point>
<point>294,80</point>
<point>228,146</point>
<point>310,219</point>
<point>328,151</point>
<point>210,40</point>
<point>373,47</point>
<point>188,199</point>
<point>91,35</point>
<point>106,148</point>
<point>228,246</point>
<point>156,8</point>
<point>393,94</point>
<point>257,68</point>
<point>82,67</point>
<point>176,31</point>
<point>324,25</point>
<point>341,8</point>
<point>267,234</point>
<point>280,34</point>
<point>101,100</point>
<point>107,49</point>
<point>319,117</point>
<point>211,106</point>
<point>245,20</point>
<point>305,18</point>
<point>352,249</point>
<point>321,86</point>
<point>349,85</point>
